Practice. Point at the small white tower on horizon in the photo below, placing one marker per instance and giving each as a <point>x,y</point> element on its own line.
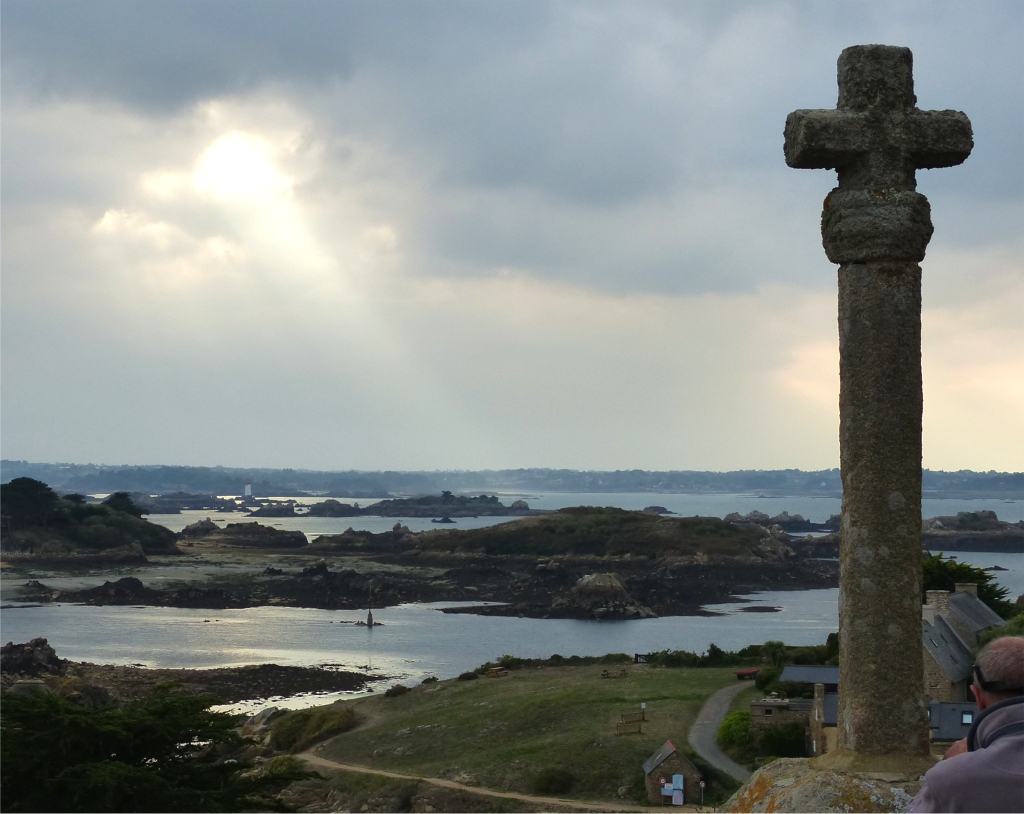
<point>248,490</point>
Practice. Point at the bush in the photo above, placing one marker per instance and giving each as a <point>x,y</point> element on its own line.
<point>783,741</point>
<point>1015,627</point>
<point>302,728</point>
<point>395,691</point>
<point>161,753</point>
<point>735,729</point>
<point>553,780</point>
<point>429,680</point>
<point>468,676</point>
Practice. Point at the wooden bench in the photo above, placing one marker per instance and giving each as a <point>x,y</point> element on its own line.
<point>496,672</point>
<point>631,728</point>
<point>633,717</point>
<point>620,674</point>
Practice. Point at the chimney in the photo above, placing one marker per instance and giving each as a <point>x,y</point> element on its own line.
<point>966,588</point>
<point>938,600</point>
<point>928,614</point>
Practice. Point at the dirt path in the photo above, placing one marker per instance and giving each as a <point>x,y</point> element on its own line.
<point>703,733</point>
<point>315,760</point>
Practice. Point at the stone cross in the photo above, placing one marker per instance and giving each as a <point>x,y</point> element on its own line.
<point>876,227</point>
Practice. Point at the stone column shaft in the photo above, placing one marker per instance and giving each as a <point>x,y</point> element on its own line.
<point>880,555</point>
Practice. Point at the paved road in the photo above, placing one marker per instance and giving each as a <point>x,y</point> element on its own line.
<point>705,728</point>
<point>315,760</point>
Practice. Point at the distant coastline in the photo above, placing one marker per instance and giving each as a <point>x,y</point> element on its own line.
<point>267,482</point>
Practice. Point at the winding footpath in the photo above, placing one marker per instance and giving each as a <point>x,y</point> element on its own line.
<point>703,733</point>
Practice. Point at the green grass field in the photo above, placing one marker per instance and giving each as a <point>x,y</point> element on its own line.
<point>502,732</point>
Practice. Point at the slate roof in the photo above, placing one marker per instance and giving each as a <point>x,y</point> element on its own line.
<point>948,650</point>
<point>810,674</point>
<point>973,612</point>
<point>659,757</point>
<point>946,719</point>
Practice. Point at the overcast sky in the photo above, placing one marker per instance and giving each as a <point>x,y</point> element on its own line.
<point>433,235</point>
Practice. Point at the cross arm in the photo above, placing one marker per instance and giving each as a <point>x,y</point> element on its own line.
<point>824,139</point>
<point>939,138</point>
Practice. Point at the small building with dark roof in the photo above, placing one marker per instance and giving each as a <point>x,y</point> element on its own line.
<point>661,767</point>
<point>950,721</point>
<point>812,674</point>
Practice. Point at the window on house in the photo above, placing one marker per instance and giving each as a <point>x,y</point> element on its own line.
<point>767,712</point>
<point>967,717</point>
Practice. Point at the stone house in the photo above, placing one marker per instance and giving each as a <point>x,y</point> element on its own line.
<point>951,624</point>
<point>660,768</point>
<point>777,711</point>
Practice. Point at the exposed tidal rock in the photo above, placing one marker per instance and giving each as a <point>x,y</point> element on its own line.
<point>602,596</point>
<point>33,658</point>
<point>253,535</point>
<point>200,528</point>
<point>286,509</point>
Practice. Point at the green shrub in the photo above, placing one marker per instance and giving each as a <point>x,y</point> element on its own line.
<point>1015,627</point>
<point>468,676</point>
<point>735,729</point>
<point>300,729</point>
<point>430,680</point>
<point>395,691</point>
<point>783,741</point>
<point>160,753</point>
<point>553,780</point>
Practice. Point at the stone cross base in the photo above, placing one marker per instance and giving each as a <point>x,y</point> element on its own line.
<point>839,781</point>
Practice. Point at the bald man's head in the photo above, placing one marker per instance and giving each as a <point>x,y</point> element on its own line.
<point>999,668</point>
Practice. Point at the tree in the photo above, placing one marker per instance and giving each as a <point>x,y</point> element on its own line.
<point>163,753</point>
<point>775,653</point>
<point>122,502</point>
<point>941,574</point>
<point>27,502</point>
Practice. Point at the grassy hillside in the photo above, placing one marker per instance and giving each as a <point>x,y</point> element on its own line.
<point>503,733</point>
<point>586,530</point>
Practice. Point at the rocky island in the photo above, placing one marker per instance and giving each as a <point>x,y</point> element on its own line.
<point>584,562</point>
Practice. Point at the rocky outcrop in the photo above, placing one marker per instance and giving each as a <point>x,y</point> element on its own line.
<point>973,531</point>
<point>35,658</point>
<point>253,535</point>
<point>286,509</point>
<point>601,596</point>
<point>334,508</point>
<point>785,520</point>
<point>796,784</point>
<point>201,528</point>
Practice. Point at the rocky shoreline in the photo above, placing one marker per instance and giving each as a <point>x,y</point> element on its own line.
<point>96,684</point>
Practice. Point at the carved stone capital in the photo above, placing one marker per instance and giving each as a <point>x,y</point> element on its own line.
<point>875,225</point>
